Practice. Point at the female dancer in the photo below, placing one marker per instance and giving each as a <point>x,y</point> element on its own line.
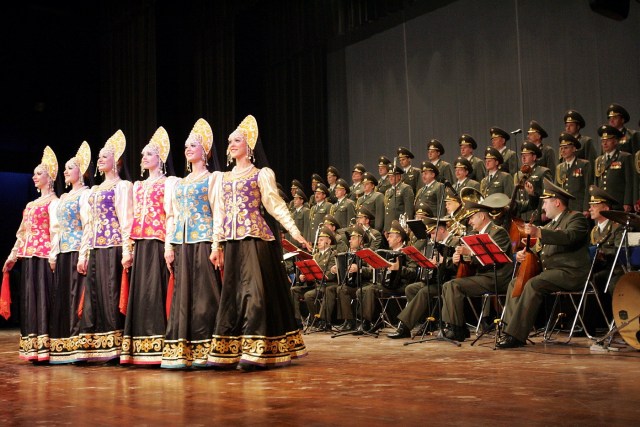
<point>33,245</point>
<point>255,327</point>
<point>104,252</point>
<point>196,295</point>
<point>64,322</point>
<point>146,318</point>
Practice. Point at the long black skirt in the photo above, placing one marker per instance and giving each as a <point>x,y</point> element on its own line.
<point>64,323</point>
<point>35,297</point>
<point>100,337</point>
<point>194,306</point>
<point>256,323</point>
<point>146,319</point>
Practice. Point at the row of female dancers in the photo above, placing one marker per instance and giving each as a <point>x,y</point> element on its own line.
<point>171,272</point>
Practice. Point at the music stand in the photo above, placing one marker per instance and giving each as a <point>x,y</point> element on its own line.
<point>487,252</point>
<point>312,271</point>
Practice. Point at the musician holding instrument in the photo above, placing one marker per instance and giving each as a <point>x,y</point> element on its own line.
<point>349,278</point>
<point>607,234</point>
<point>532,175</point>
<point>390,281</point>
<point>562,245</point>
<point>614,168</point>
<point>421,293</point>
<point>574,175</point>
<point>312,292</point>
<point>497,180</point>
<point>364,218</point>
<point>456,291</point>
<point>499,138</point>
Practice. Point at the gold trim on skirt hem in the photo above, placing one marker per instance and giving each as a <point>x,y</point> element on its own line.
<point>99,346</point>
<point>34,347</point>
<point>142,350</point>
<point>257,350</point>
<point>183,354</point>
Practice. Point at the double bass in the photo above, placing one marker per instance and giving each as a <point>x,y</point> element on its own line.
<point>516,225</point>
<point>528,268</point>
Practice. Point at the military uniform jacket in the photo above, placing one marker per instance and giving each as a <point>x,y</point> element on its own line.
<point>445,171</point>
<point>325,261</point>
<point>502,182</point>
<point>526,204</point>
<point>587,150</point>
<point>375,239</point>
<point>612,235</point>
<point>383,185</point>
<point>575,181</point>
<point>342,243</point>
<point>510,164</point>
<point>479,170</point>
<point>630,141</point>
<point>332,195</point>
<point>565,244</point>
<point>373,201</point>
<point>398,200</point>
<point>411,177</point>
<point>616,176</point>
<point>316,217</point>
<point>548,159</point>
<point>343,210</point>
<point>459,185</point>
<point>354,190</point>
<point>301,218</point>
<point>430,195</point>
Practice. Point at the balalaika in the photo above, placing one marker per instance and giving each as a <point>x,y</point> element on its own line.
<point>390,279</point>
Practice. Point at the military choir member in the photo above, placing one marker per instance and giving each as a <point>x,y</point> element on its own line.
<point>384,166</point>
<point>535,135</point>
<point>629,140</point>
<point>573,124</point>
<point>431,193</point>
<point>496,181</point>
<point>318,211</point>
<point>411,175</point>
<point>398,201</point>
<point>435,151</point>
<point>356,178</point>
<point>467,145</point>
<point>614,168</point>
<point>332,176</point>
<point>300,214</point>
<point>315,180</point>
<point>372,200</point>
<point>295,186</point>
<point>499,138</point>
<point>462,170</point>
<point>344,209</point>
<point>527,197</point>
<point>574,175</point>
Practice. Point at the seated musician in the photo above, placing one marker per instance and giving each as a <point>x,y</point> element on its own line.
<point>331,290</point>
<point>364,218</point>
<point>308,289</point>
<point>392,281</point>
<point>528,196</point>
<point>608,235</point>
<point>457,290</point>
<point>334,225</point>
<point>358,239</point>
<point>564,253</point>
<point>420,294</point>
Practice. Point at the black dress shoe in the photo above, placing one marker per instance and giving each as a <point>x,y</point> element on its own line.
<point>348,325</point>
<point>510,342</point>
<point>457,333</point>
<point>403,331</point>
<point>375,327</point>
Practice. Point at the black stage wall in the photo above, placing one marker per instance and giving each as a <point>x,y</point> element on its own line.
<point>473,64</point>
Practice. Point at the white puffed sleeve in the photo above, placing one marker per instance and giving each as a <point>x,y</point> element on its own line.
<point>123,199</point>
<point>274,203</point>
<point>169,187</point>
<point>54,229</point>
<point>87,225</point>
<point>216,203</point>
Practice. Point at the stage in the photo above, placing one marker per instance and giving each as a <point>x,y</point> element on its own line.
<point>344,381</point>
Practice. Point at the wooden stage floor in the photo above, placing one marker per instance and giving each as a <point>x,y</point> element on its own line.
<point>355,381</point>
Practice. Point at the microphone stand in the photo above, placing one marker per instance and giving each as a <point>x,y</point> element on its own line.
<point>440,336</point>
